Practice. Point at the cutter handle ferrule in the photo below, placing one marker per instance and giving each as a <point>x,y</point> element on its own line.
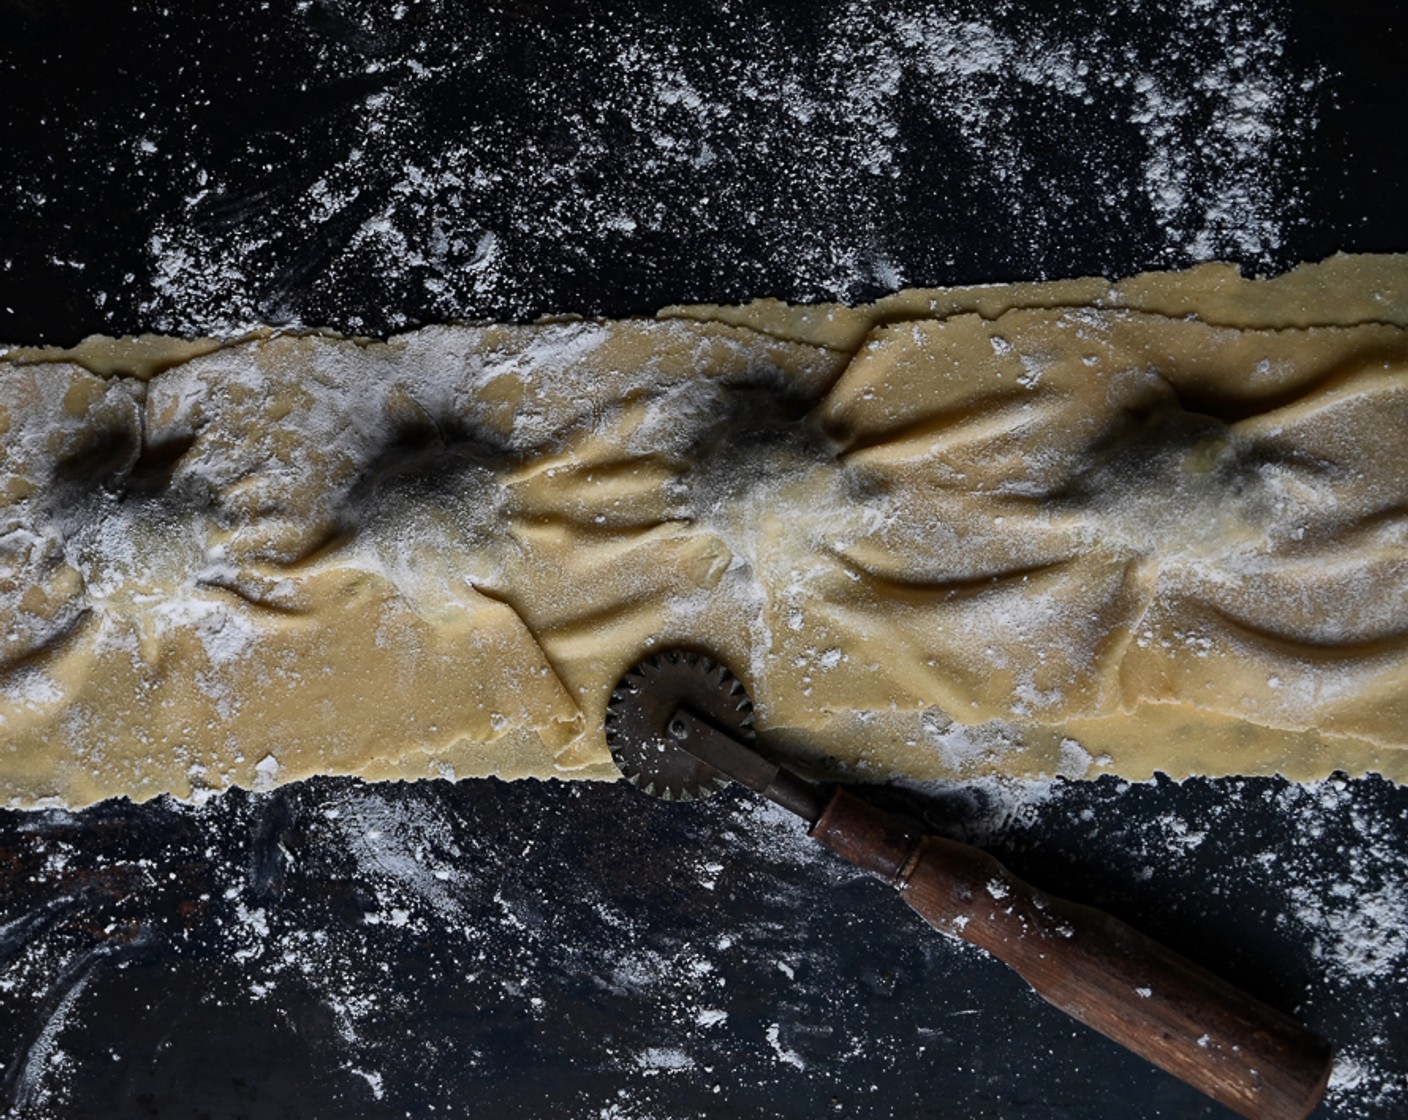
<point>739,761</point>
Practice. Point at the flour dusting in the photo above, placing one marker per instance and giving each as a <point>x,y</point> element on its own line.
<point>797,140</point>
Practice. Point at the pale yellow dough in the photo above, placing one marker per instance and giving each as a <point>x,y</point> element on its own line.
<point>1078,528</point>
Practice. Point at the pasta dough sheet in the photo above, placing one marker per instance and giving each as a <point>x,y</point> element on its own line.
<point>1065,528</point>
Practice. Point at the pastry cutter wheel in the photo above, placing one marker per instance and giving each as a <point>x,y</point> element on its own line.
<point>680,726</point>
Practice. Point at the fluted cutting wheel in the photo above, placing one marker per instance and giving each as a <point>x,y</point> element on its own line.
<point>642,704</point>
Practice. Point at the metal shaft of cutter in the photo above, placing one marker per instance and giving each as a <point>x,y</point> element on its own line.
<point>744,765</point>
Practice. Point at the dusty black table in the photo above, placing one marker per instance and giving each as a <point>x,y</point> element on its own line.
<point>339,949</point>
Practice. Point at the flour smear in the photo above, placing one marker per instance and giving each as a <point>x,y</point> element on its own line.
<point>780,148</point>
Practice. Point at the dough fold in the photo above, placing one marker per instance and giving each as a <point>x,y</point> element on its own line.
<point>1072,528</point>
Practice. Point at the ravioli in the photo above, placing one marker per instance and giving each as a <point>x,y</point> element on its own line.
<point>1080,528</point>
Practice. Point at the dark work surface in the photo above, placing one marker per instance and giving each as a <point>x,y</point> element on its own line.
<point>342,950</point>
<point>367,166</point>
<point>540,950</point>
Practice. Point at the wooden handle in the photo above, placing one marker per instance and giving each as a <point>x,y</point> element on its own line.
<point>1242,1053</point>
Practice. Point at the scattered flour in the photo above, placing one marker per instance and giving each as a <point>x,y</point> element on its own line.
<point>1194,113</point>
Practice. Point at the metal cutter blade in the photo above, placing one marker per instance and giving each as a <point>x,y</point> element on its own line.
<point>641,706</point>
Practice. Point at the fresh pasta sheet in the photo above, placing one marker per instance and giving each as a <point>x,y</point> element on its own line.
<point>1079,527</point>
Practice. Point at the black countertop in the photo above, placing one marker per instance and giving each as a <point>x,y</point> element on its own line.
<point>542,949</point>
